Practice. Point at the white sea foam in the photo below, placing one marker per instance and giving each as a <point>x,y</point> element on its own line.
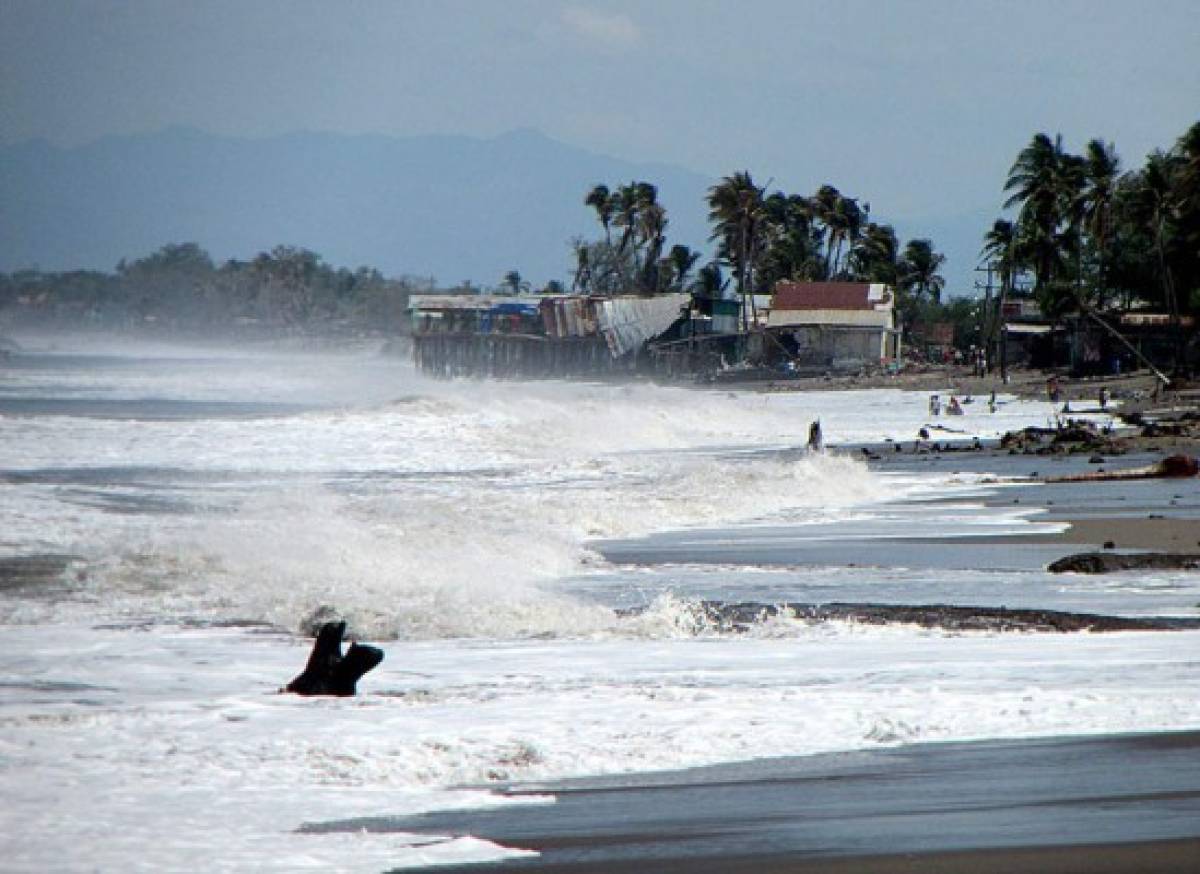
<point>179,732</point>
<point>457,520</point>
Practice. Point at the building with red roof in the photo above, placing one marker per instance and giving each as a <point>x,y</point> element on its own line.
<point>831,322</point>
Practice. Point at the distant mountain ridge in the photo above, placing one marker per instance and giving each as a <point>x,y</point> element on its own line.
<point>451,207</point>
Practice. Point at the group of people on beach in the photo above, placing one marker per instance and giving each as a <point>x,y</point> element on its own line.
<point>953,407</point>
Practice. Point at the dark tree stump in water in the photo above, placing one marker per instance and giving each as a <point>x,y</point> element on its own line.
<point>328,672</point>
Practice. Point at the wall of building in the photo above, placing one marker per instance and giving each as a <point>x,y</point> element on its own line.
<point>866,318</point>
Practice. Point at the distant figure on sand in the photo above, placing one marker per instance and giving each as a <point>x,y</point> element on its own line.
<point>953,408</point>
<point>1103,398</point>
<point>935,405</point>
<point>1053,392</point>
<point>816,442</point>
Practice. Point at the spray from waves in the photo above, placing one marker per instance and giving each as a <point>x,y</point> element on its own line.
<point>477,557</point>
<point>428,511</point>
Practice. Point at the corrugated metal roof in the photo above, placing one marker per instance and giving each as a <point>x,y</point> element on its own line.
<point>628,322</point>
<point>831,296</point>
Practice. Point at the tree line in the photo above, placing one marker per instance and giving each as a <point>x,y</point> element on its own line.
<point>180,289</point>
<point>1089,236</point>
<point>1085,236</point>
<point>760,238</point>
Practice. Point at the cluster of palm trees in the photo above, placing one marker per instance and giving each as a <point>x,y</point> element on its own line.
<point>765,238</point>
<point>761,238</point>
<point>635,261</point>
<point>1087,236</point>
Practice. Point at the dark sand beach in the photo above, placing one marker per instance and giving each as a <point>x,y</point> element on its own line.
<point>1098,804</point>
<point>1091,804</point>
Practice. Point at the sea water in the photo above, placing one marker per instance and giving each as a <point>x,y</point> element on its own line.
<point>173,518</point>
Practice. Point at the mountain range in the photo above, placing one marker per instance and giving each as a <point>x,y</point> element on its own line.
<point>454,208</point>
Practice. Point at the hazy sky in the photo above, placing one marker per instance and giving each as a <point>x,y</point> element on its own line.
<point>918,107</point>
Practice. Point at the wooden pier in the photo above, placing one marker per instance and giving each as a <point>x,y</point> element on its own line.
<point>513,356</point>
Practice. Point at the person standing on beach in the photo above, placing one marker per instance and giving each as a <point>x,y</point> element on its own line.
<point>816,441</point>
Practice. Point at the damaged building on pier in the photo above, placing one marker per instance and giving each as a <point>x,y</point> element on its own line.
<point>536,336</point>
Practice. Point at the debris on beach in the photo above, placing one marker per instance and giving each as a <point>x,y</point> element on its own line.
<point>1171,467</point>
<point>328,672</point>
<point>1073,437</point>
<point>1109,562</point>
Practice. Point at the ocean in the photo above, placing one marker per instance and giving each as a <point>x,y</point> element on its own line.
<point>534,560</point>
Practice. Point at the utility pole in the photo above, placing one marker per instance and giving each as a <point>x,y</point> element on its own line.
<point>985,328</point>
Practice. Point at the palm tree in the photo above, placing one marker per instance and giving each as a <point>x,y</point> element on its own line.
<point>1045,182</point>
<point>514,283</point>
<point>629,203</point>
<point>1101,169</point>
<point>791,243</point>
<point>873,256</point>
<point>1188,149</point>
<point>824,206</point>
<point>652,225</point>
<point>919,278</point>
<point>709,281</point>
<point>1000,248</point>
<point>1159,199</point>
<point>845,222</point>
<point>919,268</point>
<point>736,211</point>
<point>582,279</point>
<point>681,260</point>
<point>601,200</point>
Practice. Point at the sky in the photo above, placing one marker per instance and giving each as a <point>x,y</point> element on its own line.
<point>916,106</point>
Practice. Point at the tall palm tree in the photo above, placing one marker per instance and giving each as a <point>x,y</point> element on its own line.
<point>652,226</point>
<point>919,268</point>
<point>824,205</point>
<point>845,221</point>
<point>1159,199</point>
<point>1044,181</point>
<point>1000,248</point>
<point>1101,170</point>
<point>625,213</point>
<point>736,211</point>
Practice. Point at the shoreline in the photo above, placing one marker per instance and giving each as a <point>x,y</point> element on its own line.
<point>1105,803</point>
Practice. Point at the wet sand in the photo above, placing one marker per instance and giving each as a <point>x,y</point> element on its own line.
<point>1166,534</point>
<point>1124,803</point>
<point>1102,804</point>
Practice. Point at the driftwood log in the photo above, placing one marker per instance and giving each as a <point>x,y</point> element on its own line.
<point>328,672</point>
<point>1108,562</point>
<point>1171,467</point>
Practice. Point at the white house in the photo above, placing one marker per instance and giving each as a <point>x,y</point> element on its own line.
<point>831,321</point>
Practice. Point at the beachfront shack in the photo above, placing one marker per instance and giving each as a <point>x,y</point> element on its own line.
<point>536,336</point>
<point>835,324</point>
